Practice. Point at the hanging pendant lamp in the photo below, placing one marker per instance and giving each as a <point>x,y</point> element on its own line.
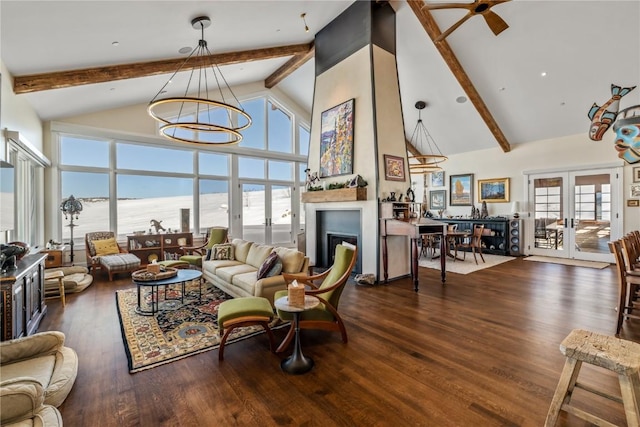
<point>431,157</point>
<point>196,117</point>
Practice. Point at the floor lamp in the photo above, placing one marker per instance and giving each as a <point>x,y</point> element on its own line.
<point>71,207</point>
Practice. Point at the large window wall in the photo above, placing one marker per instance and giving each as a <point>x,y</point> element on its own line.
<point>124,183</point>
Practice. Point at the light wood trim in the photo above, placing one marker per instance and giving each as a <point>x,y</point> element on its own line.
<point>432,29</point>
<point>414,151</point>
<point>70,78</point>
<point>337,195</point>
<point>289,67</point>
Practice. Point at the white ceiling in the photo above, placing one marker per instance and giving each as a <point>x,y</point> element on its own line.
<point>583,46</point>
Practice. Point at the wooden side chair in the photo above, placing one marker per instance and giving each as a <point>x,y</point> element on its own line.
<point>474,243</point>
<point>325,316</point>
<point>628,284</point>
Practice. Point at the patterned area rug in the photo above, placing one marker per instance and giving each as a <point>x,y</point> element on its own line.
<point>176,331</point>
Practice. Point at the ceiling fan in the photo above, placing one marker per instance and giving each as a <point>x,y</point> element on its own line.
<point>478,7</point>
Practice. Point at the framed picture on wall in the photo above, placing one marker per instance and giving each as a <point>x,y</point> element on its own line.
<point>437,179</point>
<point>394,168</point>
<point>461,190</point>
<point>494,190</point>
<point>437,199</point>
<point>636,174</point>
<point>634,190</point>
<point>336,140</point>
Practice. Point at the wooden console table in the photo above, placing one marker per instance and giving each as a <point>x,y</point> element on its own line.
<point>22,298</point>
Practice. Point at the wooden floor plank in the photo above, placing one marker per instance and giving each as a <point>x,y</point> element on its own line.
<point>482,350</point>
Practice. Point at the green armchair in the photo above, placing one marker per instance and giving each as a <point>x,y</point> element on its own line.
<point>193,254</point>
<point>325,316</point>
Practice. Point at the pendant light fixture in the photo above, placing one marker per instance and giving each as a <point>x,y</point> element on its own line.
<point>431,157</point>
<point>196,117</point>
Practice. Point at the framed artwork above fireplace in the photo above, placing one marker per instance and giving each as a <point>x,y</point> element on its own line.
<point>336,140</point>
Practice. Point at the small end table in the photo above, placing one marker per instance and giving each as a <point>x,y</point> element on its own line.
<point>297,363</point>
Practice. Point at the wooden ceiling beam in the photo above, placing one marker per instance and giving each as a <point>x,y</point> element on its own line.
<point>413,150</point>
<point>432,29</point>
<point>70,78</point>
<point>289,67</point>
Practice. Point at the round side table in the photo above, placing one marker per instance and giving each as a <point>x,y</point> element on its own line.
<point>297,363</point>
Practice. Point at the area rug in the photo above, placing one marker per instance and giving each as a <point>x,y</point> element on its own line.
<point>567,261</point>
<point>467,266</point>
<point>177,330</point>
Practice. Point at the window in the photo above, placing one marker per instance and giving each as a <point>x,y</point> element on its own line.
<point>142,198</point>
<point>92,189</point>
<point>124,184</point>
<point>303,141</point>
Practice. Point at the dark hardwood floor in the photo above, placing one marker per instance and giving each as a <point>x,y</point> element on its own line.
<point>480,351</point>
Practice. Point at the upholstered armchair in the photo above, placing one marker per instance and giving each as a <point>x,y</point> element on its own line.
<point>193,254</point>
<point>43,358</point>
<point>22,404</point>
<point>325,316</point>
<point>104,252</point>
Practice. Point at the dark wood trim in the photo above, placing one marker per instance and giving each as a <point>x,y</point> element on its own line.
<point>432,29</point>
<point>70,78</point>
<point>289,67</point>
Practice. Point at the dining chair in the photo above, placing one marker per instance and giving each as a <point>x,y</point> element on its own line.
<point>474,243</point>
<point>628,283</point>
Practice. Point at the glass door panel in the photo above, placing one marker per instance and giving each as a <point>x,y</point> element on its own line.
<point>254,213</point>
<point>549,203</point>
<point>281,212</point>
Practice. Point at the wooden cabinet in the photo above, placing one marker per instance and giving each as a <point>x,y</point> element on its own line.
<point>158,247</point>
<point>495,239</point>
<point>22,298</point>
<point>403,211</point>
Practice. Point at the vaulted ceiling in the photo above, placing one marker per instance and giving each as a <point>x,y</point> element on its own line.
<point>127,49</point>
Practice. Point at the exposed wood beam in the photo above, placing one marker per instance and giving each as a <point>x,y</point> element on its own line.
<point>63,79</point>
<point>413,150</point>
<point>432,29</point>
<point>289,67</point>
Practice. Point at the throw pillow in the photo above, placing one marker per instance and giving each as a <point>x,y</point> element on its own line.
<point>222,251</point>
<point>267,265</point>
<point>276,269</point>
<point>106,247</point>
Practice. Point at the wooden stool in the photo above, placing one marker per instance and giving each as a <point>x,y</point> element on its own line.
<point>57,275</point>
<point>239,312</point>
<point>614,354</point>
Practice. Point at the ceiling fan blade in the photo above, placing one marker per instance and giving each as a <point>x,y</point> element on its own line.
<point>453,27</point>
<point>494,22</point>
<point>435,6</point>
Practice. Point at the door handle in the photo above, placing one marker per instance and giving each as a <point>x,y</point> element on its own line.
<point>565,223</point>
<point>571,222</point>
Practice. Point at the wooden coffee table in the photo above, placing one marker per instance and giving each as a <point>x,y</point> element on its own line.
<point>181,278</point>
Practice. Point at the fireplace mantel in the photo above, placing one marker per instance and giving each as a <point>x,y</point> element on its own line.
<point>337,195</point>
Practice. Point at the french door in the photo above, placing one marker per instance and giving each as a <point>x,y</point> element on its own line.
<point>574,214</point>
<point>267,213</point>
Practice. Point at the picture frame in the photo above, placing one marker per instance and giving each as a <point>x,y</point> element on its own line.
<point>437,179</point>
<point>634,190</point>
<point>394,168</point>
<point>437,199</point>
<point>494,190</point>
<point>336,140</point>
<point>461,190</point>
<point>633,203</point>
<point>636,174</point>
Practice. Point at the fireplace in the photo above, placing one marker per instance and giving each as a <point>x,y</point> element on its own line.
<point>334,227</point>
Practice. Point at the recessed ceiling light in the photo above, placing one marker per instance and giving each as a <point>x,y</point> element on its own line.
<point>184,50</point>
<point>461,99</point>
<point>115,43</point>
<point>543,74</point>
<point>112,89</point>
<point>502,89</point>
<point>562,104</point>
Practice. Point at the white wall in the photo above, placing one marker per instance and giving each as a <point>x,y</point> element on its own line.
<point>17,115</point>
